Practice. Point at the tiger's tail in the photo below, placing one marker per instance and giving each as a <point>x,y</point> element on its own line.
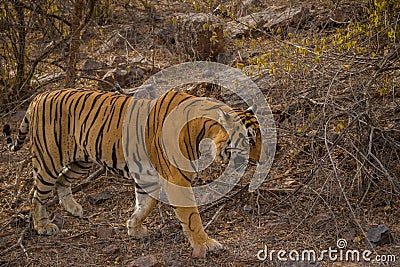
<point>22,133</point>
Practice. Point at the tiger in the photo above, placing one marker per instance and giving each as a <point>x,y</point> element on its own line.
<point>70,129</point>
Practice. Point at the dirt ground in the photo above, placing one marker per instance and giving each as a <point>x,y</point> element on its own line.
<point>317,194</point>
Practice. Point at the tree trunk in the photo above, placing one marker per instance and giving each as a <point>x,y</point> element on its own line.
<point>74,42</point>
<point>79,20</point>
<point>19,47</point>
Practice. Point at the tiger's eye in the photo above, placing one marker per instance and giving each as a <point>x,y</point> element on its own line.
<point>251,142</point>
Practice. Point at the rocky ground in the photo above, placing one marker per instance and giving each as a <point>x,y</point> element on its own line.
<point>335,175</point>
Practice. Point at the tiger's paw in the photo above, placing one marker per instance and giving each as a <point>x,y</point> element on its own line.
<point>138,232</point>
<point>213,244</point>
<point>75,210</point>
<point>72,207</point>
<point>47,229</point>
<point>201,251</point>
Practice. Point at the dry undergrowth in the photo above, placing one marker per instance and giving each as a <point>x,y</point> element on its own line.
<point>335,174</point>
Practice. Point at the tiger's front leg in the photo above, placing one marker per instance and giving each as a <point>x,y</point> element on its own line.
<point>180,196</point>
<point>70,173</point>
<point>66,199</point>
<point>192,225</point>
<point>144,205</point>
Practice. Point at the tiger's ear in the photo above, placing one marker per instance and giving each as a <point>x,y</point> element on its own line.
<point>223,117</point>
<point>252,109</point>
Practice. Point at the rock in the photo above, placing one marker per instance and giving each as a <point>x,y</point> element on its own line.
<point>111,249</point>
<point>379,236</point>
<point>246,5</point>
<point>145,261</point>
<point>146,91</point>
<point>124,77</point>
<point>236,8</point>
<point>91,67</point>
<point>244,57</point>
<point>175,263</point>
<point>271,18</point>
<point>46,79</point>
<point>247,208</point>
<point>339,16</point>
<point>105,232</point>
<point>197,35</point>
<point>96,199</point>
<point>342,14</point>
<point>18,115</point>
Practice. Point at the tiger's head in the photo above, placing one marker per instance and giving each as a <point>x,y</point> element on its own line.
<point>238,138</point>
<point>252,126</point>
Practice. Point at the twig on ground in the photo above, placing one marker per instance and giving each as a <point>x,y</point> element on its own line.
<point>19,243</point>
<point>215,216</point>
<point>224,199</point>
<point>17,185</point>
<point>97,80</point>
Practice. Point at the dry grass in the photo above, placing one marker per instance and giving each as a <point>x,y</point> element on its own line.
<point>335,174</point>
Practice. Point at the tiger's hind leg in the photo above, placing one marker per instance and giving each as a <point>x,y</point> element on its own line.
<point>144,205</point>
<point>44,184</point>
<point>70,173</point>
